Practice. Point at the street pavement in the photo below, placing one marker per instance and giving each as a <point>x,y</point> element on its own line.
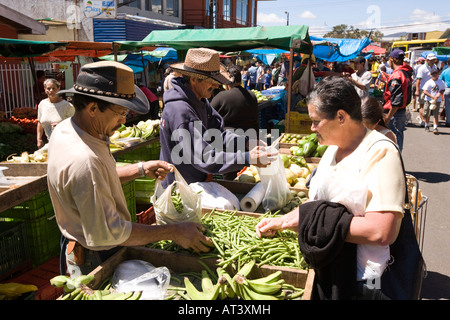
<point>427,157</point>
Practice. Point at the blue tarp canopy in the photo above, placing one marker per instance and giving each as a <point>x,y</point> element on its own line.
<point>328,49</point>
<point>338,50</point>
<point>266,55</point>
<point>441,57</point>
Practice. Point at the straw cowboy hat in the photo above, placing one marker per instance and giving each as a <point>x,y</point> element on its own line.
<point>203,63</point>
<point>113,82</point>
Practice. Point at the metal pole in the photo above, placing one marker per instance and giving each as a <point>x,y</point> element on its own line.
<point>289,81</point>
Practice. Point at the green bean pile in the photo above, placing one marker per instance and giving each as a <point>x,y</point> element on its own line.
<point>235,242</point>
<point>176,200</point>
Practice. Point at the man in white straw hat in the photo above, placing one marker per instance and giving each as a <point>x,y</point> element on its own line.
<point>189,124</point>
<point>84,184</point>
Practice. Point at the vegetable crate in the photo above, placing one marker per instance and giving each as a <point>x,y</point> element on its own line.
<point>130,196</point>
<point>299,122</point>
<point>14,255</point>
<point>185,263</point>
<point>144,189</point>
<point>146,216</point>
<point>144,153</point>
<point>43,234</point>
<point>40,277</point>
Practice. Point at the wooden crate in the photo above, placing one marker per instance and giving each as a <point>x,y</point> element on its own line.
<point>183,262</point>
<point>28,180</point>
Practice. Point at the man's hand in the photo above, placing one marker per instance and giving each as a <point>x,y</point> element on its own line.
<point>261,156</point>
<point>189,235</point>
<point>157,169</point>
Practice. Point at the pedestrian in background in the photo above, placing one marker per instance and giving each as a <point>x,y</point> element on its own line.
<point>260,75</point>
<point>252,75</point>
<point>433,90</point>
<point>397,95</point>
<point>268,78</point>
<point>372,114</point>
<point>362,78</point>
<point>445,76</point>
<point>423,75</point>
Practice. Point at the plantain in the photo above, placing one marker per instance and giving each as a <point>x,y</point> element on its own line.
<point>228,285</point>
<point>246,293</point>
<point>207,284</point>
<point>246,269</point>
<point>118,296</point>
<point>195,294</point>
<point>59,281</point>
<point>265,288</point>
<point>136,295</point>
<point>273,277</point>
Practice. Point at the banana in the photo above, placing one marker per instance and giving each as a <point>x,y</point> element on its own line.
<point>136,295</point>
<point>118,296</point>
<point>248,294</point>
<point>59,281</point>
<point>265,288</point>
<point>273,277</point>
<point>228,285</point>
<point>195,294</point>
<point>97,295</point>
<point>207,284</point>
<point>71,295</point>
<point>246,269</point>
<point>148,133</point>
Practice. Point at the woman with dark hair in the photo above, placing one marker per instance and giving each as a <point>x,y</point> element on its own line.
<point>356,198</point>
<point>372,114</point>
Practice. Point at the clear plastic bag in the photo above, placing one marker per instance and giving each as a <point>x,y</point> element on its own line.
<point>138,275</point>
<point>273,179</point>
<point>168,213</point>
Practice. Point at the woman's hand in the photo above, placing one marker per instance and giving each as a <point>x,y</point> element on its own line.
<point>268,227</point>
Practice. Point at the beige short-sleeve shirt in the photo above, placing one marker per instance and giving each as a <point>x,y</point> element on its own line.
<point>86,192</point>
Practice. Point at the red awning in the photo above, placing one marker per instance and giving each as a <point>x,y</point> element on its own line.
<point>375,49</point>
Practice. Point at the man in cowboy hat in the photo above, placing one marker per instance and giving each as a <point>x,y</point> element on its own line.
<point>188,123</point>
<point>84,183</point>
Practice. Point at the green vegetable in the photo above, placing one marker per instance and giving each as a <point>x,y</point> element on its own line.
<point>176,200</point>
<point>235,242</point>
<point>312,137</point>
<point>309,148</point>
<point>321,148</point>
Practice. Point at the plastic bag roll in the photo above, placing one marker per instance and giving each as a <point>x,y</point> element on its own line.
<point>251,201</point>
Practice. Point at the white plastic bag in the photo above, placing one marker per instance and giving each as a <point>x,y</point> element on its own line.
<point>215,196</point>
<point>138,275</point>
<point>273,179</point>
<point>166,212</point>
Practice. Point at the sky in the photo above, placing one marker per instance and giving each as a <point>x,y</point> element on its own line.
<point>387,16</point>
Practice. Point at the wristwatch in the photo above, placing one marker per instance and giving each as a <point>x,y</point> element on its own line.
<point>141,169</point>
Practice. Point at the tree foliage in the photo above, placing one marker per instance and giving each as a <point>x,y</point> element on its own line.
<point>350,32</point>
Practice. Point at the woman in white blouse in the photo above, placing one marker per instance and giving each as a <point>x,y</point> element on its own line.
<point>51,111</point>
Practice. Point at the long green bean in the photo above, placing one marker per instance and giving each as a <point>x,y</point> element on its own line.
<point>235,242</point>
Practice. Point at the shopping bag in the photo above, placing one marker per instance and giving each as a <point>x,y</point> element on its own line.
<point>177,203</point>
<point>273,179</point>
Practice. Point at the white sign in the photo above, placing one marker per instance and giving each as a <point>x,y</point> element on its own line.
<point>99,9</point>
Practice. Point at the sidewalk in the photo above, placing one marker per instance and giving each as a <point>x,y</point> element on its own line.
<point>426,157</point>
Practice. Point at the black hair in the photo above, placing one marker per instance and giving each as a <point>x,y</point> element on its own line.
<point>372,111</point>
<point>360,60</point>
<point>335,93</point>
<point>235,73</point>
<point>81,101</point>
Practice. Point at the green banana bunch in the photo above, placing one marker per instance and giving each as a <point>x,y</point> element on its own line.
<point>86,293</point>
<point>209,291</point>
<point>70,284</point>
